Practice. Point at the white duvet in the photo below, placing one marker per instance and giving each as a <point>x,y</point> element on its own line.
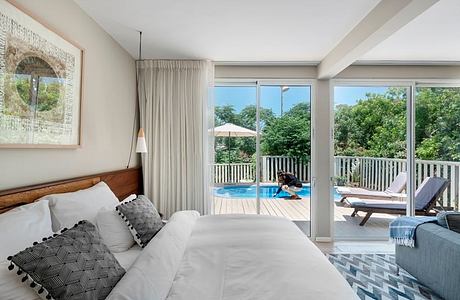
<point>231,257</point>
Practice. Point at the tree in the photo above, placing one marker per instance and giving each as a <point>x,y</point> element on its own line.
<point>248,120</point>
<point>48,92</point>
<point>289,134</point>
<point>248,116</point>
<point>225,114</point>
<point>375,126</point>
<point>241,149</point>
<point>438,124</point>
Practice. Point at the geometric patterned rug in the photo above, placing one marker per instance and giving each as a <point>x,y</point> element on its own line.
<point>374,276</point>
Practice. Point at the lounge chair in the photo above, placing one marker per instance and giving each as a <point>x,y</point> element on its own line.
<point>425,199</point>
<point>393,191</point>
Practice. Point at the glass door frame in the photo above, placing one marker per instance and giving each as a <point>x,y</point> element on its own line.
<point>410,85</point>
<point>237,82</point>
<point>431,83</point>
<point>257,83</point>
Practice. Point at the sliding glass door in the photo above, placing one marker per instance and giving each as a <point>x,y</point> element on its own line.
<point>262,143</point>
<point>285,146</point>
<point>437,139</point>
<point>384,130</point>
<point>370,148</point>
<point>235,149</point>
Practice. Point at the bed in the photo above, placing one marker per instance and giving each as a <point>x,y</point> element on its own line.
<point>214,257</point>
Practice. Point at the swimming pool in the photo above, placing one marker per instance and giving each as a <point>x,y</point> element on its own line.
<point>266,191</point>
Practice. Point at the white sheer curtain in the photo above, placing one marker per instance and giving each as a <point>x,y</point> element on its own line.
<point>173,104</point>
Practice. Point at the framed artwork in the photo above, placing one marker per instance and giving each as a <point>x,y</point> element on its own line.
<point>40,83</point>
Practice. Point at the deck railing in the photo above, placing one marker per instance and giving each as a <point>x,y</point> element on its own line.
<point>377,173</point>
<point>234,173</point>
<point>369,172</point>
<point>271,165</point>
<point>246,172</point>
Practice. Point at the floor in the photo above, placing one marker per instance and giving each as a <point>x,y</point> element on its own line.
<point>346,227</point>
<point>357,247</point>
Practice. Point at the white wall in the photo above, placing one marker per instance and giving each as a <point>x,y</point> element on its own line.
<point>265,72</point>
<point>393,72</point>
<point>108,105</point>
<point>322,205</point>
<point>352,72</point>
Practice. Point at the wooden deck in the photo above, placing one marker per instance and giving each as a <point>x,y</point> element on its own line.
<point>298,210</point>
<point>346,227</point>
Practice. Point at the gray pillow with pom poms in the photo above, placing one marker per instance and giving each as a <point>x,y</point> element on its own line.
<point>142,218</point>
<point>75,264</point>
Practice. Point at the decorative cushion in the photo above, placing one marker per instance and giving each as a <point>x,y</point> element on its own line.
<point>453,222</point>
<point>69,208</point>
<point>113,229</point>
<point>22,226</point>
<point>142,218</point>
<point>442,217</point>
<point>72,265</point>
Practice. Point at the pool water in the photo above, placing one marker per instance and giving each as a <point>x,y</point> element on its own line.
<point>266,191</point>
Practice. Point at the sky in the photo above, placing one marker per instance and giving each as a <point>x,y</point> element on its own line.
<point>270,96</point>
<point>351,94</point>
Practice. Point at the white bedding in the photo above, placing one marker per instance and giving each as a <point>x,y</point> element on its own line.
<point>127,258</point>
<point>151,275</point>
<point>231,257</point>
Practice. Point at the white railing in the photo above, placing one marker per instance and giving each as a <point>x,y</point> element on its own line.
<point>377,173</point>
<point>372,172</point>
<point>245,172</point>
<point>271,165</point>
<point>369,172</point>
<point>234,173</point>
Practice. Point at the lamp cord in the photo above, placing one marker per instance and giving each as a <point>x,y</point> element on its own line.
<point>133,133</point>
<point>137,101</point>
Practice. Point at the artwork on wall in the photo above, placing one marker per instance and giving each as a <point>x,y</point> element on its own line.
<point>40,83</point>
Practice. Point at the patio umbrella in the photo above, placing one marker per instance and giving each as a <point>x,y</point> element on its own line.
<point>230,130</point>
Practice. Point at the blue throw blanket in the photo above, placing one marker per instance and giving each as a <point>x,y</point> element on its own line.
<point>402,229</point>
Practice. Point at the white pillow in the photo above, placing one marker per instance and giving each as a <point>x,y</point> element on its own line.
<point>22,226</point>
<point>11,286</point>
<point>113,229</point>
<point>69,208</point>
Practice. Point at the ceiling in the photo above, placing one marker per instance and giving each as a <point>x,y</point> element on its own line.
<point>432,36</point>
<point>269,30</point>
<point>232,30</point>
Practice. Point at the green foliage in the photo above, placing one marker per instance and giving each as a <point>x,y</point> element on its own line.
<point>225,114</point>
<point>242,149</point>
<point>376,125</point>
<point>48,92</point>
<point>372,127</point>
<point>288,135</point>
<point>23,88</point>
<point>48,95</point>
<point>438,124</point>
<point>340,180</point>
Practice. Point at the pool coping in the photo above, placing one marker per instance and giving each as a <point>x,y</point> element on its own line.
<point>219,185</point>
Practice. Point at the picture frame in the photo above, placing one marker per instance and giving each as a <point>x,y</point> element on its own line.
<point>41,83</point>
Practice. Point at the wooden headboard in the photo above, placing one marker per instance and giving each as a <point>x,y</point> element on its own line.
<point>121,182</point>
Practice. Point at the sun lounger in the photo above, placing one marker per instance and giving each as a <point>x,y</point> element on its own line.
<point>393,191</point>
<point>425,199</point>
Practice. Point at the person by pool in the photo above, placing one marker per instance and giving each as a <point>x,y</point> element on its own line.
<point>288,183</point>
